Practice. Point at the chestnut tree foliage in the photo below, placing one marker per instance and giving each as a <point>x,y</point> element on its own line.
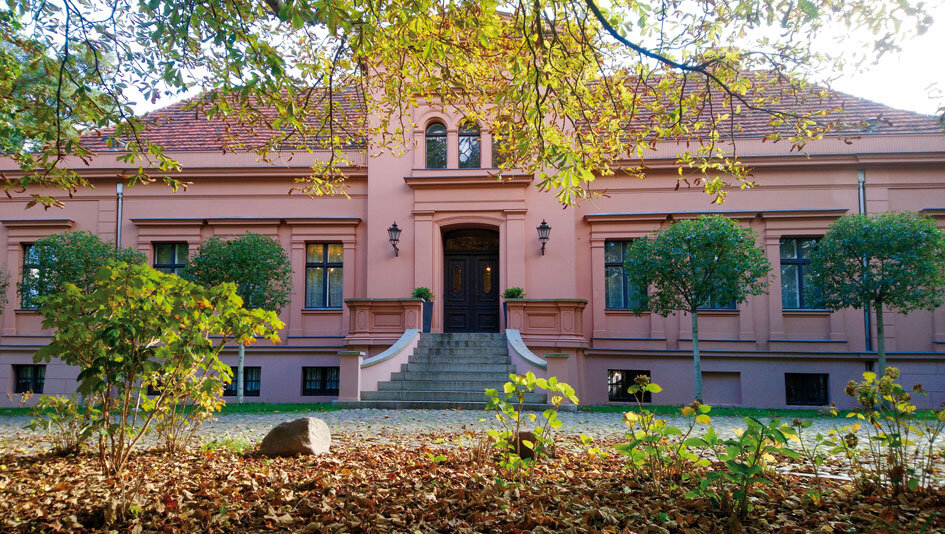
<point>693,264</point>
<point>137,327</point>
<point>579,86</point>
<point>885,261</point>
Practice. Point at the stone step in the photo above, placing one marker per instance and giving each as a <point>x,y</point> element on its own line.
<point>448,396</point>
<point>441,344</point>
<point>448,359</point>
<point>440,385</point>
<point>455,367</point>
<point>463,376</point>
<point>462,336</point>
<point>434,405</point>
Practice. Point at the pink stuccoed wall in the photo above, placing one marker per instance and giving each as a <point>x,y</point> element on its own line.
<point>746,351</point>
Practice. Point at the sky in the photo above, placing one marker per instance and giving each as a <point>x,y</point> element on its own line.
<point>902,80</point>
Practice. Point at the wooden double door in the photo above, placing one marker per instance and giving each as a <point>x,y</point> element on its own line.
<point>471,281</point>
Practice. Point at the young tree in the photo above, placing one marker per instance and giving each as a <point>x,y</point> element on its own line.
<point>692,264</point>
<point>70,257</point>
<point>134,323</point>
<point>886,261</point>
<point>618,77</point>
<point>256,264</point>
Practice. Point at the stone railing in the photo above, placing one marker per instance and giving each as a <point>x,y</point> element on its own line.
<point>549,322</point>
<point>381,321</point>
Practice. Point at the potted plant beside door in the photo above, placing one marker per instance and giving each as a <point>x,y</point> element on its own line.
<point>427,296</point>
<point>510,293</point>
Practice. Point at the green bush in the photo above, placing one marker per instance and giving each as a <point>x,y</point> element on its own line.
<point>137,327</point>
<point>422,293</point>
<point>657,451</point>
<point>899,447</point>
<point>513,293</point>
<point>512,440</point>
<point>68,424</point>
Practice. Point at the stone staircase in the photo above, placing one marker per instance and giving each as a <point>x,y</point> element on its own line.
<point>447,371</point>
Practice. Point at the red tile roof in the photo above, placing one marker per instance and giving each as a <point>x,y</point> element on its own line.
<point>182,127</point>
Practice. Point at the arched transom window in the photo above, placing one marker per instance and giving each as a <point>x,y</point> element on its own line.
<point>470,146</point>
<point>436,146</point>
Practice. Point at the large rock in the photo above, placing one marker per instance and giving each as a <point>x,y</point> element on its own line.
<point>307,435</point>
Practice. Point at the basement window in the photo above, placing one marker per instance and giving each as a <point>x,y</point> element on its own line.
<point>619,380</point>
<point>806,389</point>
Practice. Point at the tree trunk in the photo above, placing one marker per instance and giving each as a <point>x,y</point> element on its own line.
<point>880,339</point>
<point>696,362</point>
<point>239,374</point>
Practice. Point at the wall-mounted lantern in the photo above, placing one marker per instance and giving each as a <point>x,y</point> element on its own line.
<point>544,231</point>
<point>394,234</point>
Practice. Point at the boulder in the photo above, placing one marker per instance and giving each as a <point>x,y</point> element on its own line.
<point>307,435</point>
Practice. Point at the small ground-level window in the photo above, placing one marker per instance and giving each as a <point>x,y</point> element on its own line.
<point>808,389</point>
<point>251,380</point>
<point>29,378</point>
<point>618,380</point>
<point>319,381</point>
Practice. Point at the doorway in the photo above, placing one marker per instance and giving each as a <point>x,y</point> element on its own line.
<point>471,281</point>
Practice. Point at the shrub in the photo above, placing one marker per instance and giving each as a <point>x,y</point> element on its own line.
<point>422,293</point>
<point>514,438</point>
<point>68,424</point>
<point>658,451</point>
<point>900,447</point>
<point>134,324</point>
<point>513,293</point>
<point>744,459</point>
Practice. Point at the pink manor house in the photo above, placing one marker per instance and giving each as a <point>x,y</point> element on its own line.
<point>354,336</point>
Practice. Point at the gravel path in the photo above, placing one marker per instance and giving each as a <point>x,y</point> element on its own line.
<point>403,426</point>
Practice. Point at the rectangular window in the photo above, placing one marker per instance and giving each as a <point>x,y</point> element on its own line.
<point>323,275</point>
<point>718,304</point>
<point>319,381</point>
<point>618,380</point>
<point>807,389</point>
<point>251,381</point>
<point>795,274</point>
<point>620,295</point>
<point>29,378</point>
<point>30,279</point>
<point>170,258</point>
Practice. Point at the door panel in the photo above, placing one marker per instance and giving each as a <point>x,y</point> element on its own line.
<point>472,292</point>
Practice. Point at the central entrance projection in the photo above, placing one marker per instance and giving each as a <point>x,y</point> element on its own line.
<point>471,281</point>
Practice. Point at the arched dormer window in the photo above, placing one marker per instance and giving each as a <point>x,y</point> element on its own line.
<point>470,146</point>
<point>500,150</point>
<point>436,146</point>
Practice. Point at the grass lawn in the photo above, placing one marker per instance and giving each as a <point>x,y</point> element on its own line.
<point>246,407</point>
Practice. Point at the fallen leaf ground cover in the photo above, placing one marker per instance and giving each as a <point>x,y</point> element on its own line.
<point>365,485</point>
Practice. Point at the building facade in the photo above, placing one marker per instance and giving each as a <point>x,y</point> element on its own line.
<point>468,236</point>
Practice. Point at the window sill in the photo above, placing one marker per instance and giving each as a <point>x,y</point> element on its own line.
<point>806,313</point>
<point>623,311</point>
<point>719,313</point>
<point>26,311</point>
<point>321,311</point>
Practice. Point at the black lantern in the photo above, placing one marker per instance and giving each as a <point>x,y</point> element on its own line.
<point>394,233</point>
<point>543,232</point>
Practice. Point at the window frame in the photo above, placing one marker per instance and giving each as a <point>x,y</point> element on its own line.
<point>28,301</point>
<point>325,264</point>
<point>229,390</point>
<point>324,380</point>
<point>629,376</point>
<point>176,267</point>
<point>825,387</point>
<point>469,130</point>
<point>799,262</point>
<point>626,296</point>
<point>428,137</point>
<point>34,380</point>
